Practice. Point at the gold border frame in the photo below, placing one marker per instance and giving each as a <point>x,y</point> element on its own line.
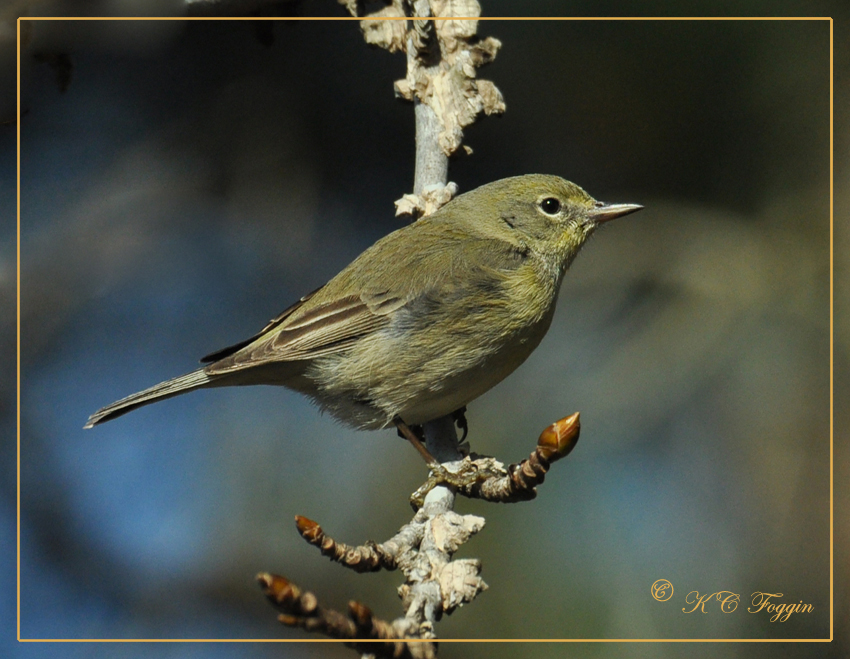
<point>443,640</point>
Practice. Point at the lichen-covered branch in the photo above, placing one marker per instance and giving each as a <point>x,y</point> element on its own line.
<point>443,56</point>
<point>444,79</point>
<point>492,482</point>
<point>369,557</point>
<point>519,481</point>
<point>364,632</point>
<point>422,549</point>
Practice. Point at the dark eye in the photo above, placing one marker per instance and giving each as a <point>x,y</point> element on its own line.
<point>550,206</point>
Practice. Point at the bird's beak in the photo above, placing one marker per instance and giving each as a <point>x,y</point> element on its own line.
<point>603,212</point>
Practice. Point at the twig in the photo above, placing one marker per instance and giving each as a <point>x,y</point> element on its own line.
<point>370,557</point>
<point>519,482</point>
<point>422,550</point>
<point>360,628</point>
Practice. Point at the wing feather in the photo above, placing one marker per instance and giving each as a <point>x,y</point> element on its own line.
<point>274,322</point>
<point>321,330</point>
<point>328,320</point>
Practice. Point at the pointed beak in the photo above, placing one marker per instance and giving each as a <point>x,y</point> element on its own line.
<point>603,212</point>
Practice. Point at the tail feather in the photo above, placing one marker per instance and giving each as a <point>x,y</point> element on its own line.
<point>161,391</point>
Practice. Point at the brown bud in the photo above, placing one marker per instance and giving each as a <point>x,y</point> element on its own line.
<point>278,589</point>
<point>360,613</point>
<point>559,439</point>
<point>305,525</point>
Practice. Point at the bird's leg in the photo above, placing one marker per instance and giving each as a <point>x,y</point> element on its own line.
<point>467,473</point>
<point>410,435</point>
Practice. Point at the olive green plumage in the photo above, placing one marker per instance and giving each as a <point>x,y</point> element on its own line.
<point>425,320</point>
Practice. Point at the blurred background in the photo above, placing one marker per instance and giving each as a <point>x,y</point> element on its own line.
<point>182,183</point>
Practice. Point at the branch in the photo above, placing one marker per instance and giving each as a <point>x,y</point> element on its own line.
<point>443,56</point>
<point>360,628</point>
<point>370,557</point>
<point>423,548</point>
<point>519,481</point>
<point>442,59</point>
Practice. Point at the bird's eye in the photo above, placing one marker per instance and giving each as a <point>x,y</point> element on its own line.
<point>550,206</point>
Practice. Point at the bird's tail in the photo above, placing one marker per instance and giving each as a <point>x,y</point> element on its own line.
<point>167,389</point>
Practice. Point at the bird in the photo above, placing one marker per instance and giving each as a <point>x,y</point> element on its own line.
<point>425,320</point>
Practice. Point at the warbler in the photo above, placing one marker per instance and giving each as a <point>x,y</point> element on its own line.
<point>425,320</point>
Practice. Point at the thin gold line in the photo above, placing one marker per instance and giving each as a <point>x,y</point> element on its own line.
<point>435,18</point>
<point>422,640</point>
<point>19,321</point>
<point>449,640</point>
<point>831,347</point>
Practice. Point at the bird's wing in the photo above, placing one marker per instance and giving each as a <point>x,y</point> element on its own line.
<point>323,329</point>
<point>274,322</point>
<point>331,318</point>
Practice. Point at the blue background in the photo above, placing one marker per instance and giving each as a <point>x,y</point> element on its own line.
<point>195,179</point>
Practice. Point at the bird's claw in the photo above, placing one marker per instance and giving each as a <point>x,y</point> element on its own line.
<point>461,422</point>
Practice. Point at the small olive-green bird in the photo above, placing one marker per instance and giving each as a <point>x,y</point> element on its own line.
<point>425,320</point>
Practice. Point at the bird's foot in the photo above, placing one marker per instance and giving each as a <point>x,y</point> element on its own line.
<point>461,422</point>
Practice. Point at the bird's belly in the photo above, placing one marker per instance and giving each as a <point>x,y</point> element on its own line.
<point>370,386</point>
<point>444,395</point>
